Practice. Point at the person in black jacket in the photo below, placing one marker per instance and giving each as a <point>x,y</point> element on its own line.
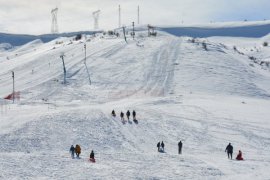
<point>92,156</point>
<point>229,150</point>
<point>180,147</point>
<point>128,114</point>
<point>122,116</point>
<point>158,146</point>
<point>113,113</point>
<point>162,145</point>
<point>72,151</point>
<point>134,115</point>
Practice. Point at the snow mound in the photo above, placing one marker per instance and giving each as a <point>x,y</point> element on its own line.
<point>5,46</point>
<point>30,45</point>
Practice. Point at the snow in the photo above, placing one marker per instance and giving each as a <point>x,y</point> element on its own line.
<point>179,90</point>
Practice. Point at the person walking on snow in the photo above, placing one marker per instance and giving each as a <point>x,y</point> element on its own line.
<point>162,145</point>
<point>77,150</point>
<point>180,147</point>
<point>229,150</point>
<point>113,113</point>
<point>134,115</point>
<point>122,116</point>
<point>158,146</point>
<point>72,151</point>
<point>92,157</point>
<point>128,114</point>
<point>239,156</point>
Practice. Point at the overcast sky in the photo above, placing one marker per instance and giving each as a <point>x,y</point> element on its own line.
<point>34,16</point>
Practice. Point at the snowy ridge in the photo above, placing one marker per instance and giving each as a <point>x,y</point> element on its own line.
<point>180,91</point>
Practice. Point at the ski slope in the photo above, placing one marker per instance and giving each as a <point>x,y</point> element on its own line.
<point>179,90</point>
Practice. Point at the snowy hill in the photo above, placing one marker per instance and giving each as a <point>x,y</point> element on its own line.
<point>206,92</point>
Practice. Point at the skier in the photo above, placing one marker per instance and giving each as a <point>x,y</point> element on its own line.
<point>92,157</point>
<point>180,147</point>
<point>122,116</point>
<point>78,150</point>
<point>162,145</point>
<point>128,114</point>
<point>113,113</point>
<point>239,156</point>
<point>229,150</point>
<point>158,146</point>
<point>72,150</point>
<point>134,115</point>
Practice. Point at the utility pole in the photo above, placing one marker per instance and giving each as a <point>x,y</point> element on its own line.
<point>64,67</point>
<point>13,91</point>
<point>133,30</point>
<point>124,32</point>
<point>85,64</point>
<point>84,53</point>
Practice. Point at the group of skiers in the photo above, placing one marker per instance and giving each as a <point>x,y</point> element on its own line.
<point>229,150</point>
<point>161,147</point>
<point>127,114</point>
<point>77,150</point>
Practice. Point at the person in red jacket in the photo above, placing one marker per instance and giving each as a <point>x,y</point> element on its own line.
<point>239,156</point>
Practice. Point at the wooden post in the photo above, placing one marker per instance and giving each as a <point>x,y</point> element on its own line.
<point>13,92</point>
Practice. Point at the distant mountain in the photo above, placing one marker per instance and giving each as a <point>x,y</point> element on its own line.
<point>20,39</point>
<point>236,29</point>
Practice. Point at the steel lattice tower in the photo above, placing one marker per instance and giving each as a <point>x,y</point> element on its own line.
<point>119,16</point>
<point>96,18</point>
<point>54,29</point>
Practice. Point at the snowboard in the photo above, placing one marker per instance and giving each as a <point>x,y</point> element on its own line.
<point>92,160</point>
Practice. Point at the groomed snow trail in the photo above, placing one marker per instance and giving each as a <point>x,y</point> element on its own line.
<point>179,91</point>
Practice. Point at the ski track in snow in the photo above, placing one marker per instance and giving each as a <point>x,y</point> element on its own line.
<point>179,91</point>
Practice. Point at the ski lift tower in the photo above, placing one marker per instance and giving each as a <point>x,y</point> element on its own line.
<point>96,19</point>
<point>54,29</point>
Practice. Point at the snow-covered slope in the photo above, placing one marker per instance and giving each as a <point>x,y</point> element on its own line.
<point>201,91</point>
